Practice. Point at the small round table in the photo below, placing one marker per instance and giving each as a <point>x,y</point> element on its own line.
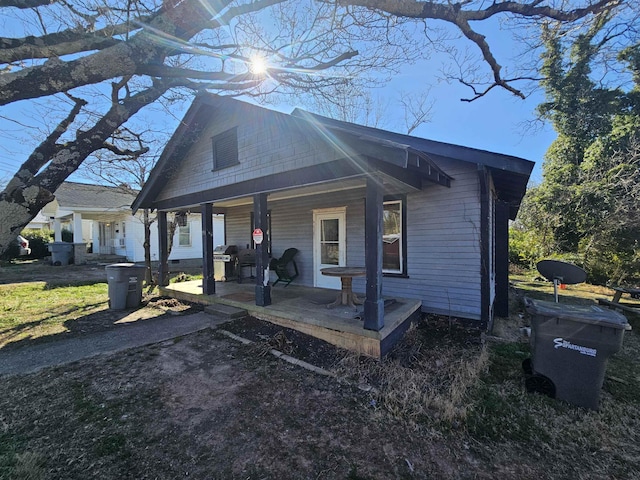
<point>346,274</point>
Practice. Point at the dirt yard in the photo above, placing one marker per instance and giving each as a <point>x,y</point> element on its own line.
<point>41,271</point>
<point>207,407</point>
<point>444,404</point>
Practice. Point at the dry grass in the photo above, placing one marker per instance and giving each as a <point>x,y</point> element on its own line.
<point>445,405</point>
<point>533,285</point>
<point>504,422</point>
<point>418,383</point>
<point>29,466</point>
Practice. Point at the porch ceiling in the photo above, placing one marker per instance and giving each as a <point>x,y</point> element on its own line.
<point>392,186</point>
<point>96,216</point>
<point>297,192</point>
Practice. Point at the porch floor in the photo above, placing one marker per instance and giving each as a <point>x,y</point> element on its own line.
<point>304,309</point>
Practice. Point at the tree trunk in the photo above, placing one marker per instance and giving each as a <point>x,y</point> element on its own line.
<point>31,189</point>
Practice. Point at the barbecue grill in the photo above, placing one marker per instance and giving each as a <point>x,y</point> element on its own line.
<point>225,258</point>
<point>246,258</point>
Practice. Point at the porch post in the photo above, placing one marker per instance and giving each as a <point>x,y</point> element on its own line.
<point>57,230</point>
<point>486,308</point>
<point>77,227</point>
<point>374,303</point>
<point>163,266</point>
<point>79,247</point>
<point>501,302</point>
<point>208,282</point>
<point>263,289</point>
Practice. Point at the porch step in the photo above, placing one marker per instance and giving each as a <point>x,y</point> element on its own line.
<point>97,258</point>
<point>226,311</point>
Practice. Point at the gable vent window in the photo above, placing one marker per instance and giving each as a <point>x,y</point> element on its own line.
<point>225,149</point>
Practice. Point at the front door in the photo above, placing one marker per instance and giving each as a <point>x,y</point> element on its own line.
<point>329,244</point>
<point>105,238</point>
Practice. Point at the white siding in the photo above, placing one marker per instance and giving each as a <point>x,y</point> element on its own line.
<point>135,239</point>
<point>443,246</point>
<point>443,240</point>
<point>270,143</point>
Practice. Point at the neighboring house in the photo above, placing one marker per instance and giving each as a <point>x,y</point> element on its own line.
<point>102,225</point>
<point>38,222</point>
<point>428,220</point>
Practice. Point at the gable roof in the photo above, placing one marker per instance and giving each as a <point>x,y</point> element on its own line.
<point>510,174</point>
<point>70,195</point>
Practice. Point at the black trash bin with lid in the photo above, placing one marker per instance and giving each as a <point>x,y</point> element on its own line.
<point>125,285</point>
<point>570,345</point>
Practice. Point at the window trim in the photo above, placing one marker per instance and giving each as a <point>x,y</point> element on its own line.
<point>180,245</point>
<point>232,132</point>
<point>402,200</point>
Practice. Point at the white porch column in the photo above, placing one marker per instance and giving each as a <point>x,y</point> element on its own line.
<point>57,230</point>
<point>77,228</point>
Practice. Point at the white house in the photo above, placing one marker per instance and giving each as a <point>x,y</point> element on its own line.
<point>423,219</point>
<point>102,224</point>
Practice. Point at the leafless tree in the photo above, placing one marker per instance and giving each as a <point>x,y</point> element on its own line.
<point>129,171</point>
<point>106,60</point>
<point>417,109</point>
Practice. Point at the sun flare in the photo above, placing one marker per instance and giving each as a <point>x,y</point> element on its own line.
<point>258,65</point>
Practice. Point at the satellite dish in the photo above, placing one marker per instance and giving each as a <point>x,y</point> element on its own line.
<point>561,272</point>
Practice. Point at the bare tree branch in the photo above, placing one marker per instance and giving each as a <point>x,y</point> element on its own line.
<point>169,49</point>
<point>41,154</point>
<point>25,3</point>
<point>456,14</point>
<point>124,152</point>
<point>417,110</point>
<point>64,43</point>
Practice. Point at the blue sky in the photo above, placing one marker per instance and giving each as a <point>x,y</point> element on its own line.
<point>496,122</point>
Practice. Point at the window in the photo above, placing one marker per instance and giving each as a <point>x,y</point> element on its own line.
<point>393,237</point>
<point>225,149</point>
<point>184,235</point>
<point>330,241</point>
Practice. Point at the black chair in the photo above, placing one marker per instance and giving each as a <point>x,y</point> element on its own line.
<point>281,266</point>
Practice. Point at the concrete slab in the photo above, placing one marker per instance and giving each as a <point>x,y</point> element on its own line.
<point>226,311</point>
<point>305,309</point>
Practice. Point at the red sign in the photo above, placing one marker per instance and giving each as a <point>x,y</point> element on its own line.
<point>258,236</point>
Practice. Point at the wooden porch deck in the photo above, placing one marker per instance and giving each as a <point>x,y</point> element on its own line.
<point>304,309</point>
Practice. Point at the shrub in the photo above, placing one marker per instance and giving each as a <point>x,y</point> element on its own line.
<point>38,240</point>
<point>525,248</point>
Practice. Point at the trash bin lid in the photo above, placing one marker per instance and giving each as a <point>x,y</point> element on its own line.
<point>120,265</point>
<point>591,314</point>
<point>116,266</point>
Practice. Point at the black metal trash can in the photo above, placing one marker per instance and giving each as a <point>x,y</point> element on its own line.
<point>570,345</point>
<point>125,285</point>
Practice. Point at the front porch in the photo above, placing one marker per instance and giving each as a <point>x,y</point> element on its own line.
<point>304,309</point>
